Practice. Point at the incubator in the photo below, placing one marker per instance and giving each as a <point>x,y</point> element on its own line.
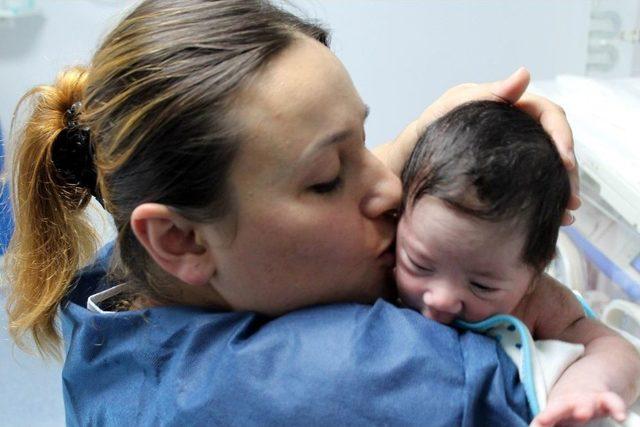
<point>599,256</point>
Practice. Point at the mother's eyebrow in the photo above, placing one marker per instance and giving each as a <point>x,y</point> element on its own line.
<point>334,138</point>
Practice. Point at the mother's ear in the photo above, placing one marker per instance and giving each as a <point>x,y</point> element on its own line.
<point>172,242</point>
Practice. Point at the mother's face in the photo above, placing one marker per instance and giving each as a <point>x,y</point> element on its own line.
<point>312,203</point>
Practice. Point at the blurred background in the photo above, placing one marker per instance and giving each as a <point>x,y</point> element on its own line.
<point>403,54</point>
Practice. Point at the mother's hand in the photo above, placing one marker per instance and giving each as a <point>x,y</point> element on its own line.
<point>512,90</point>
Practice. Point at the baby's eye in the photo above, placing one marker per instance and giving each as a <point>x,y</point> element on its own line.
<point>327,187</point>
<point>421,267</point>
<point>482,288</point>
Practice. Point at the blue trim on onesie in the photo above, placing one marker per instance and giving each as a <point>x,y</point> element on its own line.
<point>526,340</point>
<point>527,370</point>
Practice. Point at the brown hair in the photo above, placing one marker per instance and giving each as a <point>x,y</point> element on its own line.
<point>156,99</point>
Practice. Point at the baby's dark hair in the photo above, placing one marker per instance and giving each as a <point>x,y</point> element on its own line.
<point>492,161</point>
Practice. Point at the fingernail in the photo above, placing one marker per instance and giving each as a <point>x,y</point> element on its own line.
<point>518,70</point>
<point>567,219</point>
<point>578,202</point>
<point>570,161</point>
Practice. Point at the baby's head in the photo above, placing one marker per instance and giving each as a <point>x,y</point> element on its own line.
<point>484,192</point>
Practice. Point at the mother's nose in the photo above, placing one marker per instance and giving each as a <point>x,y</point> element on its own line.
<point>384,190</point>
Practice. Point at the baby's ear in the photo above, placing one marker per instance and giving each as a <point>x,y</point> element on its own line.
<point>173,244</point>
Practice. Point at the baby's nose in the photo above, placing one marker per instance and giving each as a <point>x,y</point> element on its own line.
<point>444,301</point>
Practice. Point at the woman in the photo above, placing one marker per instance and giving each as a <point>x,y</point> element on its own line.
<point>254,241</point>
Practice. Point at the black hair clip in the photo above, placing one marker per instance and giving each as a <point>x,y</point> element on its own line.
<point>71,115</point>
<point>73,156</point>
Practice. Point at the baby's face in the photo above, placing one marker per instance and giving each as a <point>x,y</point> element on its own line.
<point>452,266</point>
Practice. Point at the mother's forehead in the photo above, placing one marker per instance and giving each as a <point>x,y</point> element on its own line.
<point>303,94</point>
<point>305,77</point>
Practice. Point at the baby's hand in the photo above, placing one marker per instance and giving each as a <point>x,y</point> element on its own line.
<point>578,407</point>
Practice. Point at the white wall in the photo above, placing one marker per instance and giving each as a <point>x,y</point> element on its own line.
<point>401,53</point>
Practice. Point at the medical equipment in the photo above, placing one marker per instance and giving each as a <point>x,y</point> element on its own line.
<point>599,256</point>
<point>612,48</point>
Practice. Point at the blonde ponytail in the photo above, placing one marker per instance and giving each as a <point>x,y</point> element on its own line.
<point>52,237</point>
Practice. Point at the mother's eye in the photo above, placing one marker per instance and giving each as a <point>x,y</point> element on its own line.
<point>327,187</point>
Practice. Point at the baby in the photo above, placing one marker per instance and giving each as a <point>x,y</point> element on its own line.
<point>484,195</point>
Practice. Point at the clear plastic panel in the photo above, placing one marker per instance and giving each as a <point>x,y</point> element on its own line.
<point>598,255</point>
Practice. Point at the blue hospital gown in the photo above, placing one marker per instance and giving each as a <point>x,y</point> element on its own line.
<point>332,365</point>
